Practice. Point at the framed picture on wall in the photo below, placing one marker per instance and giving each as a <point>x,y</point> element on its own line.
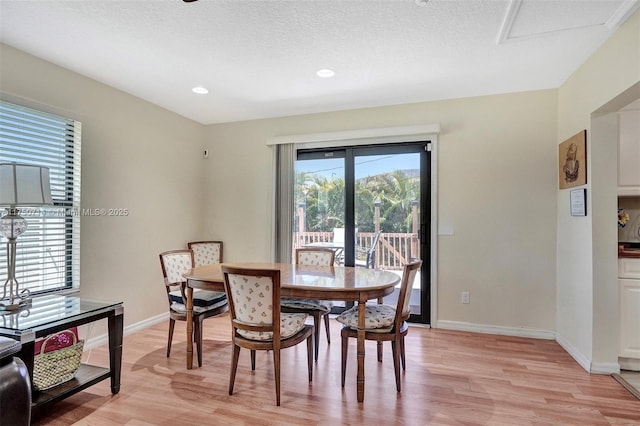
<point>572,161</point>
<point>578,202</point>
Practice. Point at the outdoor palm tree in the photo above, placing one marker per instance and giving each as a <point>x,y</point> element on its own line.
<point>323,199</point>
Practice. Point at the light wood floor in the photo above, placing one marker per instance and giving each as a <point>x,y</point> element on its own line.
<point>452,378</point>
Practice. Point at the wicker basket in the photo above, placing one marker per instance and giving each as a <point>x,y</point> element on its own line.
<point>53,368</point>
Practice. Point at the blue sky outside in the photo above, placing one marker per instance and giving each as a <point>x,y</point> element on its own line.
<point>369,165</point>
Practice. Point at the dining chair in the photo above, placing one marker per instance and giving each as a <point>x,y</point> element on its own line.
<point>338,241</point>
<point>256,320</point>
<point>383,323</point>
<point>205,303</point>
<point>370,254</point>
<point>318,309</point>
<point>206,252</point>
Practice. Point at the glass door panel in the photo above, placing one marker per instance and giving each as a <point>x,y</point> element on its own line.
<point>370,205</point>
<point>387,214</point>
<point>320,199</point>
<point>319,220</point>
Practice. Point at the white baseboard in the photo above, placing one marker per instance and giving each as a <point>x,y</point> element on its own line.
<point>494,329</point>
<point>580,358</point>
<point>585,362</point>
<point>94,342</point>
<point>629,363</point>
<point>605,368</point>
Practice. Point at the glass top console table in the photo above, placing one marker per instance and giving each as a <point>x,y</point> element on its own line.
<point>51,314</point>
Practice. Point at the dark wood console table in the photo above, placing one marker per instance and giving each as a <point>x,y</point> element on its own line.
<point>51,314</point>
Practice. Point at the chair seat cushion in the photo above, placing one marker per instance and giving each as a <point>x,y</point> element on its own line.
<point>182,309</point>
<point>306,304</point>
<point>201,298</point>
<point>290,324</point>
<point>376,317</point>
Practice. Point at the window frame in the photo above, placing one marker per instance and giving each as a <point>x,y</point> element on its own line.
<point>48,253</point>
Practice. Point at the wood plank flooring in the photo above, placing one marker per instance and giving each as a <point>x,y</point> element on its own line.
<point>452,378</point>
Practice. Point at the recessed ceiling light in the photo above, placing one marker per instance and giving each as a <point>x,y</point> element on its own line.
<point>200,90</point>
<point>422,2</point>
<point>325,73</point>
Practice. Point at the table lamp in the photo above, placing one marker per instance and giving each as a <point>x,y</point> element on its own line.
<point>21,185</point>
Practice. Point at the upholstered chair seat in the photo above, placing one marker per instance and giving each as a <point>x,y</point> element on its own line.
<point>257,322</point>
<point>203,300</point>
<point>206,303</point>
<point>290,324</point>
<point>312,256</point>
<point>382,323</point>
<point>377,318</point>
<point>320,305</point>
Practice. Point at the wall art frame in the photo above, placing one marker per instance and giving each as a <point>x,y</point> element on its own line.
<point>572,161</point>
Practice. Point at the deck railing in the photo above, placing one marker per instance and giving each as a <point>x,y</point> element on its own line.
<point>392,252</point>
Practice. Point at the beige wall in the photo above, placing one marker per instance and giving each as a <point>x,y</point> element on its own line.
<point>586,279</point>
<point>497,183</point>
<point>134,155</point>
<point>497,187</point>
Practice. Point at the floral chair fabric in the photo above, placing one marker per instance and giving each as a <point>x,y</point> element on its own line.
<point>206,252</point>
<point>379,318</point>
<point>382,323</point>
<point>320,258</point>
<point>176,264</point>
<point>252,299</point>
<point>376,317</point>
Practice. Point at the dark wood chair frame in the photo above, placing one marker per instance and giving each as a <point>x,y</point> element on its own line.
<point>315,313</point>
<point>277,343</point>
<point>397,333</point>
<point>174,316</point>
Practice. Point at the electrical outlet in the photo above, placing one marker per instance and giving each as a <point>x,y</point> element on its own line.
<point>464,297</point>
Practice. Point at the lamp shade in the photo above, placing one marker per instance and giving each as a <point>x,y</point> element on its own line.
<point>24,185</point>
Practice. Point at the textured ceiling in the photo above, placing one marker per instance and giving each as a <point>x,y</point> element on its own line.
<point>259,58</point>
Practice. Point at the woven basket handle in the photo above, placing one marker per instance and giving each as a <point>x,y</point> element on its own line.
<point>44,344</point>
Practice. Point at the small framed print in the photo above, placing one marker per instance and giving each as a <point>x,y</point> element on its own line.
<point>578,202</point>
<point>572,161</point>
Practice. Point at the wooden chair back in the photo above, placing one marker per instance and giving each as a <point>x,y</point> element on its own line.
<point>320,256</point>
<point>406,286</point>
<point>174,264</point>
<point>254,301</point>
<point>206,252</point>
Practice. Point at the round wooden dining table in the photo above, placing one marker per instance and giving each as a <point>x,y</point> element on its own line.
<point>350,284</point>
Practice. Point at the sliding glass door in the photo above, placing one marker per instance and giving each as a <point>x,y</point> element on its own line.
<point>371,205</point>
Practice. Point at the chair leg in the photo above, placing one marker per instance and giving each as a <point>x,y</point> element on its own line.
<point>253,359</point>
<point>198,338</point>
<point>234,367</point>
<point>172,324</point>
<point>310,357</point>
<point>396,362</point>
<point>379,348</point>
<point>345,347</point>
<point>316,332</point>
<point>326,326</point>
<point>276,370</point>
<point>402,357</point>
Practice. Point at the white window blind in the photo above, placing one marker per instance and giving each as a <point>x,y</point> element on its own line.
<point>48,253</point>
